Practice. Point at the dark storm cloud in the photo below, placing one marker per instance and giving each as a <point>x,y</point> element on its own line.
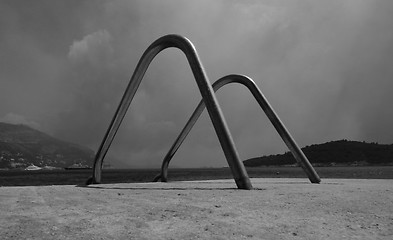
<point>325,67</point>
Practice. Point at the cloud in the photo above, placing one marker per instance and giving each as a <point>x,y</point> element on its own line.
<point>94,49</point>
<point>89,83</point>
<point>14,118</point>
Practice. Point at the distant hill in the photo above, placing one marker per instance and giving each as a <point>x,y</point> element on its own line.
<point>21,146</point>
<point>342,152</point>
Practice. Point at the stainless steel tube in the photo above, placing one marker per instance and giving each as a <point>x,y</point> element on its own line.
<point>264,104</point>
<point>238,170</point>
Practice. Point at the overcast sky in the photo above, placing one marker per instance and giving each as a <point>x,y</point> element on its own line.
<point>325,66</point>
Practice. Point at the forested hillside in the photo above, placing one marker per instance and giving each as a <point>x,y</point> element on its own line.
<point>21,146</point>
<point>341,152</point>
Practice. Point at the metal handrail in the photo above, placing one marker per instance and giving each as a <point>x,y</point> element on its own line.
<point>266,107</point>
<point>238,170</point>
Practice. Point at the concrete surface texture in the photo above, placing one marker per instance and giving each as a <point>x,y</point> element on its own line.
<point>276,209</point>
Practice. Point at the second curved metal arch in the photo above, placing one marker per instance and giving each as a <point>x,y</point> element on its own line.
<point>266,107</point>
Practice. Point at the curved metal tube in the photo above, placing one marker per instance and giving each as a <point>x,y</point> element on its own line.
<point>238,170</point>
<point>264,104</point>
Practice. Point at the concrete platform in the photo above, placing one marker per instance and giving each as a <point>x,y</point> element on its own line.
<point>278,208</point>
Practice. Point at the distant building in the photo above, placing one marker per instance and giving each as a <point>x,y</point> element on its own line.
<point>77,166</point>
